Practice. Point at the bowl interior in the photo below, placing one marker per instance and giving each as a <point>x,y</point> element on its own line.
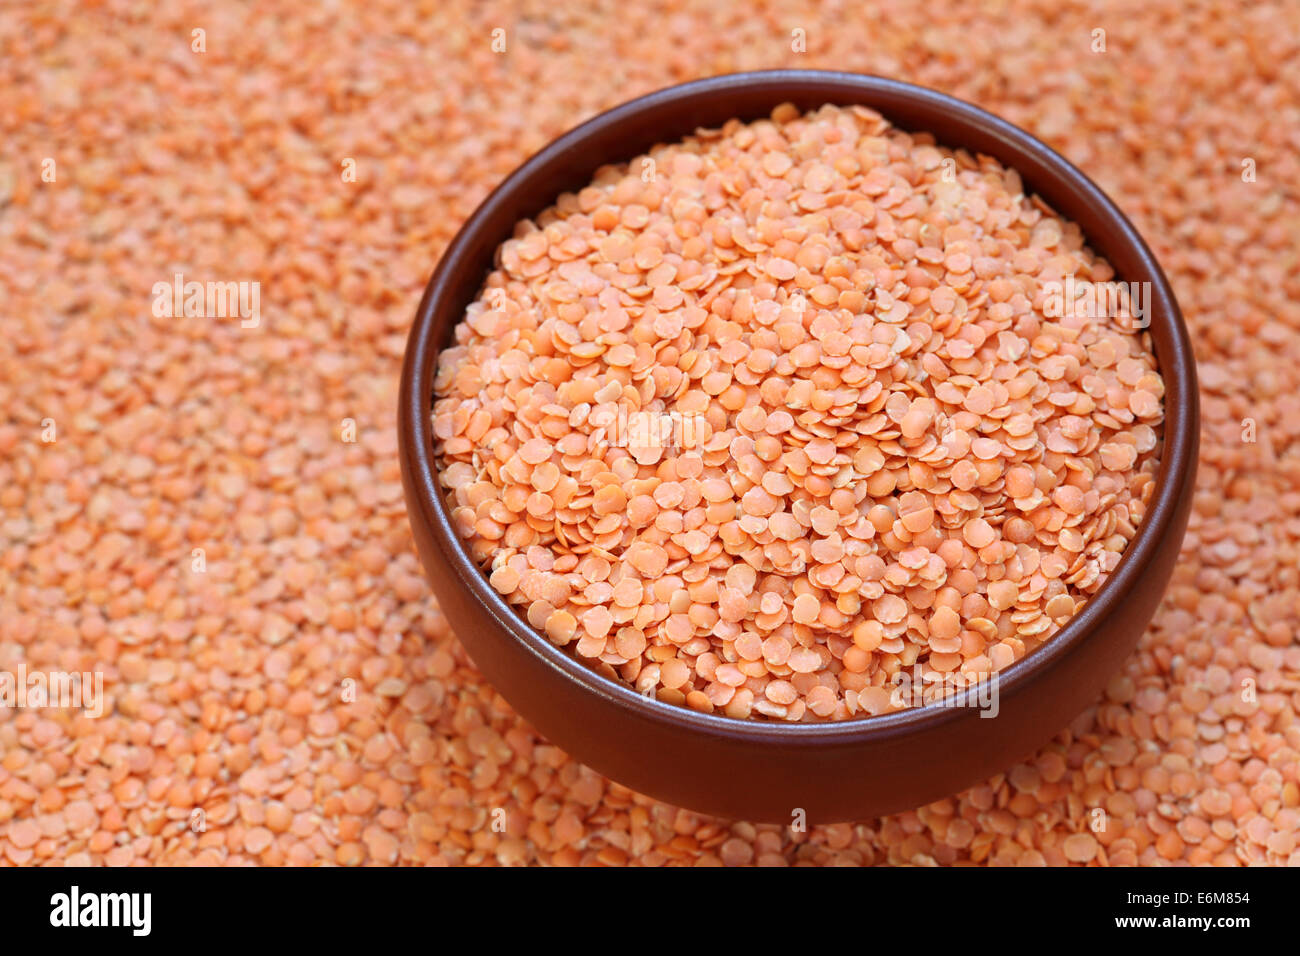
<point>569,163</point>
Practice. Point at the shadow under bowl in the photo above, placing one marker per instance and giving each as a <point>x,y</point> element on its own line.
<point>757,769</point>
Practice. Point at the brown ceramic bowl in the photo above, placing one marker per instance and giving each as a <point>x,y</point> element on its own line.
<point>755,769</point>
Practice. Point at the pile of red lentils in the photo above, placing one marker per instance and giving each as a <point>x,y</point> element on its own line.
<point>757,433</point>
<point>301,699</point>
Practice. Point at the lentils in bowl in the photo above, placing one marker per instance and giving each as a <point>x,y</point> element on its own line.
<point>761,420</point>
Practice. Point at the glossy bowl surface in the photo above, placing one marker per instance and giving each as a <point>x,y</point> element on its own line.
<point>762,770</point>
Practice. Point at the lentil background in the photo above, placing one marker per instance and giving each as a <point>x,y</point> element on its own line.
<point>226,688</point>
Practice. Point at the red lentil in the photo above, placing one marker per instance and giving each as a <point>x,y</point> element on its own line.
<point>158,422</point>
<point>876,457</point>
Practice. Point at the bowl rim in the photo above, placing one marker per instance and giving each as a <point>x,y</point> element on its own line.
<point>1179,438</point>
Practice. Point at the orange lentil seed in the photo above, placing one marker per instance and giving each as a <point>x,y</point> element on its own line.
<point>175,435</point>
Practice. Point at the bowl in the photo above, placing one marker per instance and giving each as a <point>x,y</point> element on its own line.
<point>755,769</point>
